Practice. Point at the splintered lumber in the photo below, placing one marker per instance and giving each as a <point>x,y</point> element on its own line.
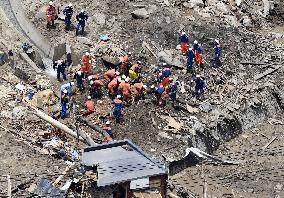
<point>172,195</point>
<point>9,190</point>
<point>270,142</point>
<point>204,155</point>
<point>147,46</point>
<point>267,72</point>
<point>85,136</point>
<point>252,63</point>
<point>61,176</point>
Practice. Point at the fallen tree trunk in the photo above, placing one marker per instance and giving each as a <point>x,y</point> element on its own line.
<point>53,122</point>
<point>57,124</point>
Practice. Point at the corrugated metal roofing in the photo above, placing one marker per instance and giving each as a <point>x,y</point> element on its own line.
<point>119,162</point>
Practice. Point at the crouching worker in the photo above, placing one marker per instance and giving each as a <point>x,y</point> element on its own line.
<point>89,107</point>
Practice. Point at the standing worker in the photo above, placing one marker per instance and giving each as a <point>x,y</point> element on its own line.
<point>60,67</point>
<point>117,112</point>
<point>189,59</point>
<point>50,14</point>
<point>79,76</point>
<point>199,56</point>
<point>68,13</point>
<point>217,54</point>
<point>204,3</point>
<point>64,101</point>
<point>195,46</point>
<point>199,86</point>
<point>86,64</point>
<point>173,90</point>
<point>82,17</point>
<point>183,39</point>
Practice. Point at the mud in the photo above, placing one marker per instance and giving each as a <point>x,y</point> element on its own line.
<point>226,122</point>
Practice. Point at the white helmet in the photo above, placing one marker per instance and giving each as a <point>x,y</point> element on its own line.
<point>72,83</point>
<point>89,77</point>
<point>108,122</point>
<point>139,62</point>
<point>50,3</point>
<point>171,79</point>
<point>152,86</point>
<point>117,73</point>
<point>183,33</point>
<point>79,72</point>
<point>89,97</point>
<point>217,41</point>
<point>91,82</point>
<point>127,79</point>
<point>189,48</point>
<point>65,91</point>
<point>197,76</point>
<point>59,61</point>
<point>195,42</point>
<point>118,96</point>
<point>164,64</point>
<point>70,5</point>
<point>87,53</point>
<point>129,53</point>
<point>82,11</point>
<point>145,86</point>
<point>123,76</point>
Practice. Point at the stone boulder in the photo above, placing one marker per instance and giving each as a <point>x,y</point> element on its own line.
<point>140,14</point>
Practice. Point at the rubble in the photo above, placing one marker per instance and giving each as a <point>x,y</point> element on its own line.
<point>244,91</point>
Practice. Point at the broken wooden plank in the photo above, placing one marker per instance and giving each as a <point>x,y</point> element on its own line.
<point>252,63</point>
<point>61,176</point>
<point>9,190</point>
<point>147,46</point>
<point>267,72</point>
<point>270,142</point>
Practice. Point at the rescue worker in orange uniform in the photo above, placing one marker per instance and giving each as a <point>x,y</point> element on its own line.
<point>93,77</point>
<point>89,107</point>
<point>86,63</point>
<point>113,85</point>
<point>96,88</point>
<point>124,66</point>
<point>124,88</point>
<point>137,90</point>
<point>110,74</point>
<point>50,14</point>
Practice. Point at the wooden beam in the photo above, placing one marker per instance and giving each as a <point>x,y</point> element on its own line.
<point>9,190</point>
